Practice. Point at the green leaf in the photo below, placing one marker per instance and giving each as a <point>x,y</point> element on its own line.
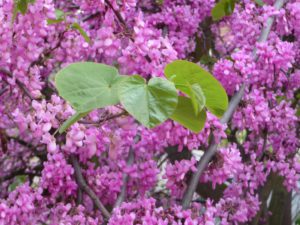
<point>87,86</point>
<point>229,7</point>
<point>298,112</point>
<point>218,11</point>
<point>241,136</point>
<point>185,116</point>
<point>188,72</point>
<point>54,21</point>
<point>259,2</point>
<point>152,103</point>
<point>59,14</point>
<point>222,8</point>
<point>69,122</point>
<point>192,90</point>
<point>76,26</point>
<point>197,97</point>
<point>15,13</point>
<point>22,6</point>
<point>18,180</point>
<point>95,160</point>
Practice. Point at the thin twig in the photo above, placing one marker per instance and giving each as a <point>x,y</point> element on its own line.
<point>103,120</point>
<point>42,154</point>
<point>212,149</point>
<point>18,82</point>
<point>84,187</point>
<point>117,14</point>
<point>89,17</point>
<point>36,171</point>
<point>2,91</point>
<point>47,52</point>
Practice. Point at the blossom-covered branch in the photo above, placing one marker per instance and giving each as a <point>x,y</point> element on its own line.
<point>84,187</point>
<point>94,172</point>
<point>234,102</point>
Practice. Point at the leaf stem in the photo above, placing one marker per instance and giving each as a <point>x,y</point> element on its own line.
<point>18,82</point>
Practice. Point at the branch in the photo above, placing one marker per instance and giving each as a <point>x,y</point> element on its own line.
<point>79,197</point>
<point>42,154</point>
<point>103,120</point>
<point>264,193</point>
<point>22,171</point>
<point>18,82</point>
<point>47,52</point>
<point>280,204</point>
<point>2,91</point>
<point>125,178</point>
<point>212,149</point>
<point>89,17</point>
<point>118,15</point>
<point>84,187</point>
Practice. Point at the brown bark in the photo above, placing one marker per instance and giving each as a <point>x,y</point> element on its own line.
<point>280,205</point>
<point>279,210</point>
<point>264,193</point>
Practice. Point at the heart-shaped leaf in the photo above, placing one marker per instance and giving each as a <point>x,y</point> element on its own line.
<point>185,116</point>
<point>152,103</point>
<point>182,72</point>
<point>87,86</point>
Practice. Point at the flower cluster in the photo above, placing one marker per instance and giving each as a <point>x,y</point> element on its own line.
<point>119,158</point>
<point>176,174</point>
<point>145,211</point>
<point>57,176</point>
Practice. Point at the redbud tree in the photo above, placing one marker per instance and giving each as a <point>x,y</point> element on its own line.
<point>127,112</point>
